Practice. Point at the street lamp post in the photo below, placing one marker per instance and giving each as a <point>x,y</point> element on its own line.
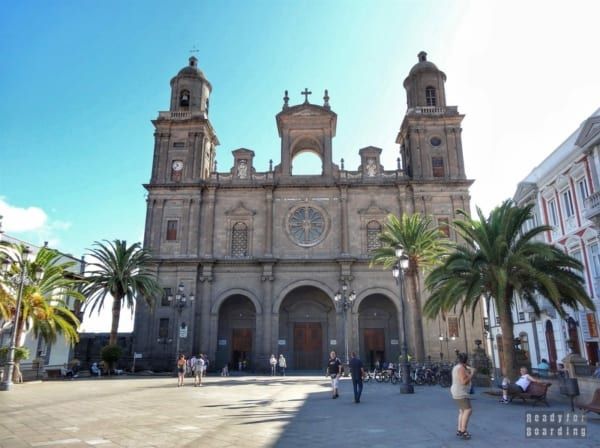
<point>179,302</point>
<point>345,301</point>
<point>20,282</point>
<point>402,263</point>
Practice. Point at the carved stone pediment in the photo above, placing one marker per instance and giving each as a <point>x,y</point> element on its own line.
<point>373,210</point>
<point>240,210</point>
<point>590,131</point>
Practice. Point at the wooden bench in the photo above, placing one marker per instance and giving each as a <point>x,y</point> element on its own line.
<point>594,405</point>
<point>536,392</point>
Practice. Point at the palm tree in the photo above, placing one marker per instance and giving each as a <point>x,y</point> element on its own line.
<point>123,273</point>
<point>44,300</point>
<point>424,245</point>
<point>499,260</point>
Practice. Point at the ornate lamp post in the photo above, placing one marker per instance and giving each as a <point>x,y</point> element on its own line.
<point>402,263</point>
<point>345,301</point>
<point>179,302</point>
<point>16,281</point>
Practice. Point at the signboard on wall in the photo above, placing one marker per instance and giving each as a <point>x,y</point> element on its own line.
<point>222,342</point>
<point>333,342</point>
<point>281,342</point>
<point>394,342</point>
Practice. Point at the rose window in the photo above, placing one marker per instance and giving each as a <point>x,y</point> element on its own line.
<point>306,225</point>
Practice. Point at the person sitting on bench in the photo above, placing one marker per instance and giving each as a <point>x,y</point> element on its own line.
<point>95,370</point>
<point>520,385</point>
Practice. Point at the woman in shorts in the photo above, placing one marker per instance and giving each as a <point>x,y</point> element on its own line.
<point>334,371</point>
<point>181,364</point>
<point>460,389</point>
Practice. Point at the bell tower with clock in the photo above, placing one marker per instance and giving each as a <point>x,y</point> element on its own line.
<point>184,156</point>
<point>185,141</point>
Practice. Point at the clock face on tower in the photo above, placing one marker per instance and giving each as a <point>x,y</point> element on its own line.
<point>177,165</point>
<point>176,170</point>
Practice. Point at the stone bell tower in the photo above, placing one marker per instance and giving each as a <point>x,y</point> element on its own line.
<point>185,141</point>
<point>430,134</point>
<point>306,127</point>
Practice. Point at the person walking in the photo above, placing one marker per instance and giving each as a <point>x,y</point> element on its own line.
<point>181,363</point>
<point>334,371</point>
<point>460,389</point>
<point>282,364</point>
<point>357,372</point>
<point>273,363</point>
<point>198,371</point>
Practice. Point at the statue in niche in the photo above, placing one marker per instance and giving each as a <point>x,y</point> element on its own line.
<point>371,168</point>
<point>242,169</point>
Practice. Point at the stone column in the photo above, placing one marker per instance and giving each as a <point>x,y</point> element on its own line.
<point>206,279</point>
<point>267,278</point>
<point>210,219</point>
<point>193,248</point>
<point>268,248</point>
<point>157,222</point>
<point>344,220</point>
<point>150,203</point>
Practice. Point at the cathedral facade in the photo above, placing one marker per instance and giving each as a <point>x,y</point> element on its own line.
<point>251,262</point>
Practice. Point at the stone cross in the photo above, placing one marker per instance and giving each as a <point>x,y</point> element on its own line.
<point>306,93</point>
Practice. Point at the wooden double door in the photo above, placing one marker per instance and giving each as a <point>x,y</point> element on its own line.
<point>241,347</point>
<point>308,346</point>
<point>374,346</point>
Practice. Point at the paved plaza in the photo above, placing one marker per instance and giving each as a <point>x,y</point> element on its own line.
<point>249,411</point>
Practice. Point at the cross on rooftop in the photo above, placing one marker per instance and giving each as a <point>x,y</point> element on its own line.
<point>306,93</point>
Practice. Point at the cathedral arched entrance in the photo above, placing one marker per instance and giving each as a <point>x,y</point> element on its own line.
<point>236,333</point>
<point>307,324</point>
<point>379,338</point>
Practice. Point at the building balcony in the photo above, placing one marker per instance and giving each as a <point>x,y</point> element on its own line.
<point>592,209</point>
<point>433,110</point>
<point>180,115</point>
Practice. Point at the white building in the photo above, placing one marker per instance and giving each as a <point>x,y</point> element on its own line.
<point>60,352</point>
<point>560,188</point>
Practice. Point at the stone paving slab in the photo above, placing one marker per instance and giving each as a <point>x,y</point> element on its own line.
<point>256,412</point>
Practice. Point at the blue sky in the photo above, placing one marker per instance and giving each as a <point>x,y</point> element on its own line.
<point>81,80</point>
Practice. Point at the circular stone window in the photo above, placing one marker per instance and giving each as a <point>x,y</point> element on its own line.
<point>435,141</point>
<point>306,225</point>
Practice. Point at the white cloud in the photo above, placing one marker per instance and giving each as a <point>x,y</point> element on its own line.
<point>31,224</point>
<point>18,219</point>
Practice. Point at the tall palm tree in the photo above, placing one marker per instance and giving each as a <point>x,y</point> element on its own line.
<point>44,301</point>
<point>500,260</point>
<point>424,245</point>
<point>122,272</point>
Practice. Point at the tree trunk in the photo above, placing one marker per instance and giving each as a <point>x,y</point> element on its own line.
<point>116,315</point>
<point>509,367</point>
<point>414,303</point>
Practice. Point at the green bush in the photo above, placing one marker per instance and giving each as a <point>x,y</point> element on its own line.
<point>21,353</point>
<point>110,354</point>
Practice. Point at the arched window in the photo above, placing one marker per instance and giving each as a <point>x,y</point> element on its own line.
<point>430,96</point>
<point>184,98</point>
<point>373,232</point>
<point>239,240</point>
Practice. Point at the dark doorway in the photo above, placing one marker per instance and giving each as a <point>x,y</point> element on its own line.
<point>241,347</point>
<point>374,340</point>
<point>573,336</point>
<point>378,330</point>
<point>551,344</point>
<point>308,339</point>
<point>592,352</point>
<point>236,333</point>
